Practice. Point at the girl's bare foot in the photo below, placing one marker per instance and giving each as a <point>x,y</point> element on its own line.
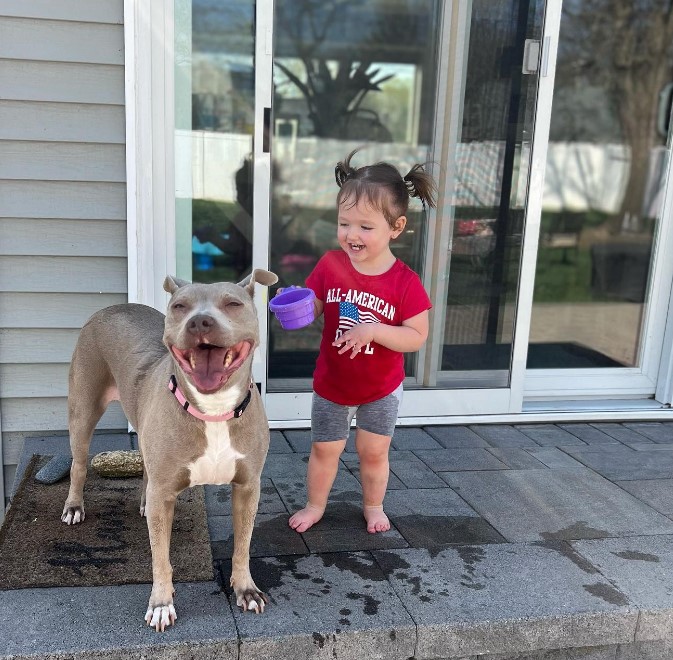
<point>306,518</point>
<point>377,520</point>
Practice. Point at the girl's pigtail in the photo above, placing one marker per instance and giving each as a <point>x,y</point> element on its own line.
<point>343,170</point>
<point>420,184</point>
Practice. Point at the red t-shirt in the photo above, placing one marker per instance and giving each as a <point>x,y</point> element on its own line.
<point>350,298</point>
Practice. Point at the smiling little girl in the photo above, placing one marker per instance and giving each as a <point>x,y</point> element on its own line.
<point>376,309</point>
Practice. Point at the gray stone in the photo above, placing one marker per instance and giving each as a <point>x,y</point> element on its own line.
<point>413,438</point>
<point>530,505</point>
<point>619,432</point>
<point>427,502</point>
<point>271,536</point>
<point>47,446</point>
<point>501,435</point>
<point>650,446</point>
<point>412,471</point>
<point>549,435</point>
<point>285,466</point>
<point>300,441</point>
<point>107,622</point>
<point>461,458</point>
<point>586,653</point>
<point>218,499</point>
<point>498,604</point>
<point>553,457</point>
<point>625,464</point>
<point>588,433</point>
<point>434,518</point>
<point>324,606</point>
<point>56,468</point>
<point>346,488</point>
<point>655,431</point>
<point>343,529</point>
<point>659,650</point>
<point>657,493</point>
<point>278,444</point>
<point>455,436</point>
<point>516,458</point>
<point>640,567</point>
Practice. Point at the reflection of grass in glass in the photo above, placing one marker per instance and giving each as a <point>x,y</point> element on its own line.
<point>578,219</point>
<point>562,278</point>
<point>214,274</point>
<point>209,213</point>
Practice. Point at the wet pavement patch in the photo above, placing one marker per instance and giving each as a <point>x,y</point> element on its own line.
<point>329,601</point>
<point>639,556</point>
<point>271,536</point>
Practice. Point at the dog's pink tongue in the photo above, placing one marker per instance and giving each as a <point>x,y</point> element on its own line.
<point>208,368</point>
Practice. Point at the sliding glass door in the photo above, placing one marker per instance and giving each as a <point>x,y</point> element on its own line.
<point>601,292</point>
<point>267,96</point>
<point>453,85</point>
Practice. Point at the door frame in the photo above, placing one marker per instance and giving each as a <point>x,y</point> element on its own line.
<point>149,83</point>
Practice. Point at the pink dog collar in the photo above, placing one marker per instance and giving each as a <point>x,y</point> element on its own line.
<point>195,412</point>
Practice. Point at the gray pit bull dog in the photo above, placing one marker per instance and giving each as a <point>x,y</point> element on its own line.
<point>185,384</point>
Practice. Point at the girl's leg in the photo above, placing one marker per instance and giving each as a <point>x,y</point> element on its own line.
<point>322,469</point>
<point>373,449</point>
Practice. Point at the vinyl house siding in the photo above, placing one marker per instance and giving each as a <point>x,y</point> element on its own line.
<point>62,202</point>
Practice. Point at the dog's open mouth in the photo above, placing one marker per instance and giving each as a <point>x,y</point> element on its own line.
<point>208,366</point>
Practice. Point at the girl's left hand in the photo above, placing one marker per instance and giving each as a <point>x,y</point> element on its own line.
<point>355,339</point>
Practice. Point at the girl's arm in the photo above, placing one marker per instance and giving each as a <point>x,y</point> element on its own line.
<point>405,338</point>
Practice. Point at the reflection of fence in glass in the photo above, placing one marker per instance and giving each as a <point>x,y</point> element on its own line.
<point>580,176</point>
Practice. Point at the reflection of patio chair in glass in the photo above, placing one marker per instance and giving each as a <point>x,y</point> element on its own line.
<point>364,124</point>
<point>564,233</point>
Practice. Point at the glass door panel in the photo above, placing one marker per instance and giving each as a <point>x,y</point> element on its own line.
<point>214,117</point>
<point>347,75</point>
<point>606,167</point>
<point>490,193</point>
<point>376,75</point>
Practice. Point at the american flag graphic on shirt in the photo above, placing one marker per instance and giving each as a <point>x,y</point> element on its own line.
<point>350,315</point>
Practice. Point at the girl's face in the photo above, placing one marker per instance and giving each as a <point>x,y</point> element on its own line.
<point>364,235</point>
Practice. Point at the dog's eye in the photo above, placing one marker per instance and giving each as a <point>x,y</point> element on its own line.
<point>233,303</point>
<point>178,306</point>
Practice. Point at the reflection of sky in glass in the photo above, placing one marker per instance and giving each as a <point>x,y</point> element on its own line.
<point>216,23</point>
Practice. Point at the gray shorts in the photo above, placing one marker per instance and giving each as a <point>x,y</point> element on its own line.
<point>332,421</point>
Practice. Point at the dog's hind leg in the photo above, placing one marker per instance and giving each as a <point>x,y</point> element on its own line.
<point>91,389</point>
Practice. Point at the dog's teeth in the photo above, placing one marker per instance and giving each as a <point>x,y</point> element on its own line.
<point>228,359</point>
<point>192,361</point>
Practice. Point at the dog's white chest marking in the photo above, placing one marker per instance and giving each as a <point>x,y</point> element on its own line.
<point>218,463</point>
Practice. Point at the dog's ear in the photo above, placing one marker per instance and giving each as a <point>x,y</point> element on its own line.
<point>172,284</point>
<point>259,276</point>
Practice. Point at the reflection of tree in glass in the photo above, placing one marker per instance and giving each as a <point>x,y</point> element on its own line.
<point>335,93</point>
<point>625,48</point>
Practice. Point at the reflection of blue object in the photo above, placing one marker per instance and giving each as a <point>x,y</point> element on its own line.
<point>204,253</point>
<point>203,262</point>
<point>205,248</point>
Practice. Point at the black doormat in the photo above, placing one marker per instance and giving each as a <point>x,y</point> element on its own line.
<point>111,546</point>
<point>552,355</point>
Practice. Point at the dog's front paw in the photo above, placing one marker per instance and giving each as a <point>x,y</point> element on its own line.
<point>72,515</point>
<point>160,617</point>
<point>250,599</point>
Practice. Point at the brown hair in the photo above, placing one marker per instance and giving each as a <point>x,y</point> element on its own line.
<point>382,186</point>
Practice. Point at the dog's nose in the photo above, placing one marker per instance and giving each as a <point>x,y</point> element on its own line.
<point>200,324</point>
